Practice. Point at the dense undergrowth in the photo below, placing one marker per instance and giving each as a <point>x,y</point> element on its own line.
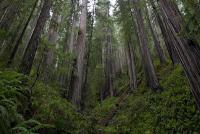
<point>171,112</point>
<point>143,112</point>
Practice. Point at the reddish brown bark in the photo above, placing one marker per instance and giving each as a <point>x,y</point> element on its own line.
<point>148,66</point>
<point>186,49</point>
<point>79,75</point>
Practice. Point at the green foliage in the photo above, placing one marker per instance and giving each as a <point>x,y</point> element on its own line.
<point>13,102</point>
<point>49,107</point>
<point>94,88</point>
<point>173,110</point>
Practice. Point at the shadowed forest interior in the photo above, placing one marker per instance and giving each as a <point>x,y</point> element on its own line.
<point>99,67</point>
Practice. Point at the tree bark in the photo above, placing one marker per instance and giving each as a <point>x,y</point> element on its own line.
<point>168,39</point>
<point>187,50</point>
<point>52,38</point>
<point>77,83</point>
<point>158,47</point>
<point>131,67</point>
<point>29,55</point>
<point>107,57</point>
<point>17,43</point>
<point>149,70</point>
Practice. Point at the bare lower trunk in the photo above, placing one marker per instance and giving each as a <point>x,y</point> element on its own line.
<point>149,70</point>
<point>107,58</point>
<point>131,67</point>
<point>29,55</point>
<point>52,38</point>
<point>79,78</point>
<point>187,50</point>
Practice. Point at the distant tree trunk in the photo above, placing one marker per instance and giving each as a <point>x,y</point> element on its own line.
<point>109,69</point>
<point>158,47</point>
<point>187,50</point>
<point>131,66</point>
<point>90,39</point>
<point>52,38</point>
<point>19,39</point>
<point>107,58</point>
<point>168,39</point>
<point>149,70</point>
<point>81,59</point>
<point>10,14</point>
<point>29,55</point>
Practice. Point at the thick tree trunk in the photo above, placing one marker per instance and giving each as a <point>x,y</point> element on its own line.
<point>52,38</point>
<point>107,58</point>
<point>81,59</point>
<point>168,39</point>
<point>19,39</point>
<point>29,55</point>
<point>131,67</point>
<point>149,70</point>
<point>187,50</point>
<point>158,47</point>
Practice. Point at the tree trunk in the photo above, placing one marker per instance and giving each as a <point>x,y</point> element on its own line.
<point>187,50</point>
<point>131,67</point>
<point>107,58</point>
<point>19,39</point>
<point>29,55</point>
<point>149,70</point>
<point>52,38</point>
<point>158,47</point>
<point>168,39</point>
<point>81,59</point>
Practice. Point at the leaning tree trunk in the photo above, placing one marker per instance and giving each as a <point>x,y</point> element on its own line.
<point>157,44</point>
<point>79,79</point>
<point>187,50</point>
<point>149,70</point>
<point>168,39</point>
<point>19,39</point>
<point>29,55</point>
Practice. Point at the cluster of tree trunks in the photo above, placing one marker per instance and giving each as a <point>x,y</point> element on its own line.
<point>157,44</point>
<point>166,34</point>
<point>187,50</point>
<point>21,35</point>
<point>31,49</point>
<point>148,66</point>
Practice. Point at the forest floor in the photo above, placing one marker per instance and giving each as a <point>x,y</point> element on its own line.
<point>139,112</point>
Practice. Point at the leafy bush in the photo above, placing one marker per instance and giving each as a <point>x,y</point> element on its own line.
<point>50,108</point>
<point>172,111</point>
<point>13,102</point>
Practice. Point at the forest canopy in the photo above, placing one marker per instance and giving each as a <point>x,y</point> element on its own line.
<point>99,67</point>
